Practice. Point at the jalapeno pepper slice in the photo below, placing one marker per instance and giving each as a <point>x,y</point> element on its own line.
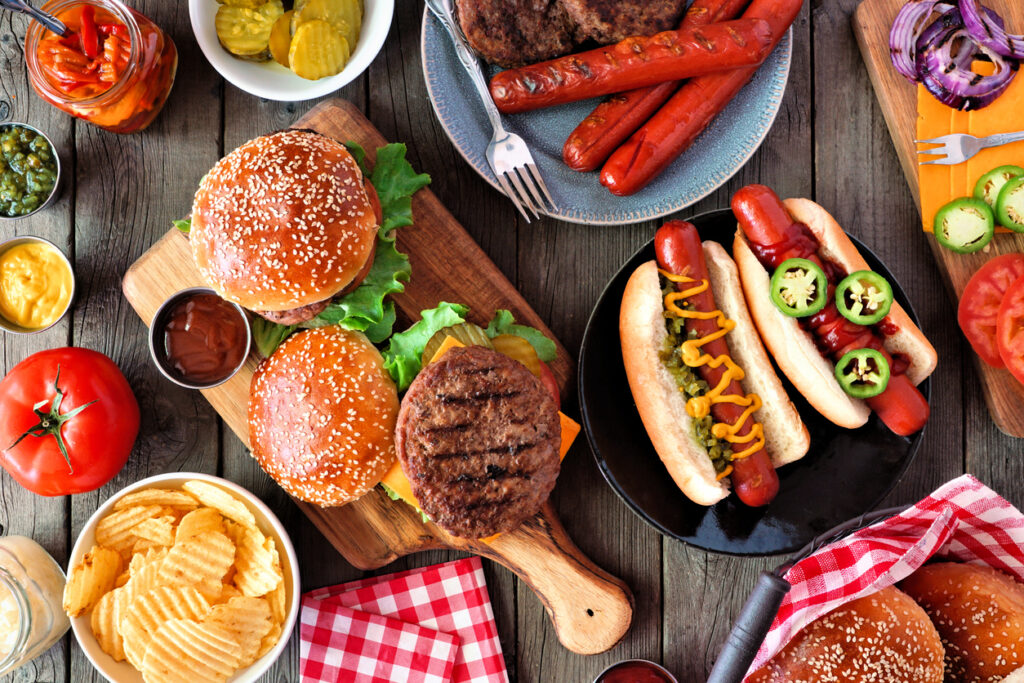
<point>988,186</point>
<point>1010,205</point>
<point>863,373</point>
<point>799,287</point>
<point>864,297</point>
<point>965,225</point>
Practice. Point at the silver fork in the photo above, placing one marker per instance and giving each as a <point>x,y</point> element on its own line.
<point>959,147</point>
<point>507,153</point>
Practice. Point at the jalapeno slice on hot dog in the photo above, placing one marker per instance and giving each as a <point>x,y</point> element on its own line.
<point>864,297</point>
<point>863,373</point>
<point>965,225</point>
<point>799,287</point>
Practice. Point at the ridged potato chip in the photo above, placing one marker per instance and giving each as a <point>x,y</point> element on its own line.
<point>91,579</point>
<point>278,600</point>
<point>208,555</point>
<point>198,521</point>
<point>106,616</point>
<point>222,501</point>
<point>186,651</point>
<point>227,592</point>
<point>318,50</point>
<point>163,497</point>
<point>148,611</point>
<point>116,529</point>
<point>151,557</point>
<point>269,640</point>
<point>158,530</point>
<point>255,573</point>
<point>249,619</point>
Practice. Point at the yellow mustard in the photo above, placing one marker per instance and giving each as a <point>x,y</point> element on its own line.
<point>35,285</point>
<point>694,357</point>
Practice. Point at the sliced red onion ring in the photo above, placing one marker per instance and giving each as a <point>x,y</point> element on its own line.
<point>944,55</point>
<point>903,38</point>
<point>989,32</point>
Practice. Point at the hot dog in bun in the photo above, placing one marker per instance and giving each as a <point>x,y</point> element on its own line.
<point>829,322</point>
<point>703,385</point>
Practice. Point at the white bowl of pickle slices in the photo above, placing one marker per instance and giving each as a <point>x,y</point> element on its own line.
<point>290,50</point>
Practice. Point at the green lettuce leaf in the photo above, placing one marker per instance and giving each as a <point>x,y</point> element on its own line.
<point>268,336</point>
<point>503,323</point>
<point>184,225</point>
<point>402,357</point>
<point>365,308</point>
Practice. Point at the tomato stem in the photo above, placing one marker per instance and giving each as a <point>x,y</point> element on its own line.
<point>51,421</point>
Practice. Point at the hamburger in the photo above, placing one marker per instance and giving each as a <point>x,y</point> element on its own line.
<point>322,412</point>
<point>883,638</point>
<point>283,224</point>
<point>290,226</point>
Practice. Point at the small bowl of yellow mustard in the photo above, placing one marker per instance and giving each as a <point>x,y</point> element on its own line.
<point>37,285</point>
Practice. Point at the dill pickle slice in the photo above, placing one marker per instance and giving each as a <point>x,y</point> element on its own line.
<point>351,12</point>
<point>467,333</point>
<point>330,11</point>
<point>518,349</point>
<point>317,50</point>
<point>245,32</point>
<point>281,38</point>
<point>250,4</point>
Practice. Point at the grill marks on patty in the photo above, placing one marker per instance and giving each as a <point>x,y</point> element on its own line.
<point>478,436</point>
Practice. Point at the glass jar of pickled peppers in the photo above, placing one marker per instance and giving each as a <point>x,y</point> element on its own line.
<point>114,69</point>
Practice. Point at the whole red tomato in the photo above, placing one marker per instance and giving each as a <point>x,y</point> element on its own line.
<point>69,421</point>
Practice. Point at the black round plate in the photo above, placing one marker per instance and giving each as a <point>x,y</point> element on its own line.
<point>844,474</point>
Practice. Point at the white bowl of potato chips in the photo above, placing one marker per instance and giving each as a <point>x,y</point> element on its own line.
<point>183,577</point>
<point>329,42</point>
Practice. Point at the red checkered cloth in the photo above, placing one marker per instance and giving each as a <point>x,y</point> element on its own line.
<point>963,520</point>
<point>450,598</point>
<point>343,644</point>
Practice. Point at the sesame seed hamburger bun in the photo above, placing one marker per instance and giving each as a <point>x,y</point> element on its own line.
<point>883,638</point>
<point>283,222</point>
<point>979,612</point>
<point>322,412</point>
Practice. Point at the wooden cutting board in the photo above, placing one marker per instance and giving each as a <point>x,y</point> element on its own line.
<point>591,609</point>
<point>898,98</point>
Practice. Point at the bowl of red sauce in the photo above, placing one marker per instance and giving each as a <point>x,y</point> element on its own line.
<point>198,340</point>
<point>635,671</point>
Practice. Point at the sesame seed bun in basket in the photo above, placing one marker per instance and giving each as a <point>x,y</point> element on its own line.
<point>322,414</point>
<point>882,638</point>
<point>283,222</point>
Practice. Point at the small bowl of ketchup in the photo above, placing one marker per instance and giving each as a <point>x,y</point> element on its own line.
<point>198,340</point>
<point>635,671</point>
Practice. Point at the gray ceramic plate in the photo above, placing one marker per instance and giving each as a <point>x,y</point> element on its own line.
<point>727,144</point>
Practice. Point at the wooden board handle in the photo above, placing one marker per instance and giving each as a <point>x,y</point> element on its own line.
<point>591,610</point>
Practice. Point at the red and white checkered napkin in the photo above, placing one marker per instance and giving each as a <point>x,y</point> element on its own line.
<point>962,520</point>
<point>449,598</point>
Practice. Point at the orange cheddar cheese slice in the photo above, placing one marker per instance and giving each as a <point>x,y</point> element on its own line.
<point>942,184</point>
<point>396,480</point>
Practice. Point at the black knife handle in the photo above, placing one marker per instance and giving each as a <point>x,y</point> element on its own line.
<point>751,627</point>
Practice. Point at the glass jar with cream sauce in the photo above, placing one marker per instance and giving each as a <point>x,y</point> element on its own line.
<point>31,590</point>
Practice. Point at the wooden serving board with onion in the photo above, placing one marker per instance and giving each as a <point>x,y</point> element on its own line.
<point>898,99</point>
<point>591,610</point>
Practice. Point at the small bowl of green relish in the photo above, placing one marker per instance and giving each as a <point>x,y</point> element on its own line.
<point>29,170</point>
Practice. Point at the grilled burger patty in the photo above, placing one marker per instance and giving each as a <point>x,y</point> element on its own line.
<point>478,438</point>
<point>516,32</point>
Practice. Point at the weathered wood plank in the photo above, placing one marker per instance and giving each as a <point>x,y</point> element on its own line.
<point>21,512</point>
<point>127,190</point>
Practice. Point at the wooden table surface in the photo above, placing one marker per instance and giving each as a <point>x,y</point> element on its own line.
<point>829,143</point>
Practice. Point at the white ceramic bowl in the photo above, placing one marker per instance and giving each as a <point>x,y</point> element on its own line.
<point>275,82</point>
<point>269,524</point>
